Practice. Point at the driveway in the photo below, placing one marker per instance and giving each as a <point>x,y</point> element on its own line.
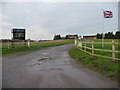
<point>50,68</point>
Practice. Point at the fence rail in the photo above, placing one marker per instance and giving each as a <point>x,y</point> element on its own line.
<point>113,51</point>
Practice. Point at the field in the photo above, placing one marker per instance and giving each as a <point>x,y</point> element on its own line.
<point>33,46</point>
<point>106,66</point>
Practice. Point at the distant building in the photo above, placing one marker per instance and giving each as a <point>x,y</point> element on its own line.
<point>72,36</point>
<point>90,37</point>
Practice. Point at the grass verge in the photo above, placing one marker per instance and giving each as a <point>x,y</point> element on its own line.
<point>34,46</point>
<point>104,66</point>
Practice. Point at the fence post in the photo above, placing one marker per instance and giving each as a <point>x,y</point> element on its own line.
<point>12,43</point>
<point>76,42</point>
<point>113,49</point>
<point>25,43</point>
<point>29,43</point>
<point>8,44</point>
<point>85,45</point>
<point>92,48</point>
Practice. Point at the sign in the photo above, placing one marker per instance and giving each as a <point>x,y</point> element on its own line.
<point>18,34</point>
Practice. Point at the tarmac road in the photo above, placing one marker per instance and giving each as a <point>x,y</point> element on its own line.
<point>50,68</point>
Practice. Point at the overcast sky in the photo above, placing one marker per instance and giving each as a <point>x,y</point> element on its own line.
<point>43,20</point>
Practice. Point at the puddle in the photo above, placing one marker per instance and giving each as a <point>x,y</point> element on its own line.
<point>43,58</point>
<point>38,61</point>
<point>56,69</point>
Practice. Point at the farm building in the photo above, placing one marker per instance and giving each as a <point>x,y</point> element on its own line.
<point>90,37</point>
<point>72,36</point>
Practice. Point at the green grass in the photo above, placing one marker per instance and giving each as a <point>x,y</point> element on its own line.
<point>99,64</point>
<point>33,46</point>
<point>105,40</point>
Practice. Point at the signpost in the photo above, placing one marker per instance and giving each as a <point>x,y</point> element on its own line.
<point>18,35</point>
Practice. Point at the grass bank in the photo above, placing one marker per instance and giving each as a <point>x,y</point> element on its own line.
<point>104,66</point>
<point>34,46</point>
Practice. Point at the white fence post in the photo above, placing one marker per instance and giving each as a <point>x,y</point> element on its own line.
<point>8,44</point>
<point>85,45</point>
<point>92,47</point>
<point>75,42</point>
<point>113,49</point>
<point>29,43</point>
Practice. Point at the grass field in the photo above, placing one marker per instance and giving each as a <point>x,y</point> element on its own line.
<point>106,46</point>
<point>34,46</point>
<point>105,66</point>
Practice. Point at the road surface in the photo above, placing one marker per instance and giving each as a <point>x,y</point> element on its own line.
<point>50,68</point>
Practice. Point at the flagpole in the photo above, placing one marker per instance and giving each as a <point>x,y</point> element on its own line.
<point>103,32</point>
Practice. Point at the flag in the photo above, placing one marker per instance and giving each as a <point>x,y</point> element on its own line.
<point>107,14</point>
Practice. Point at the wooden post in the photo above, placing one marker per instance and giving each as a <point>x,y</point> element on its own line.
<point>24,43</point>
<point>113,49</point>
<point>85,45</point>
<point>8,44</point>
<point>75,42</point>
<point>29,43</point>
<point>12,44</point>
<point>19,43</point>
<point>92,48</point>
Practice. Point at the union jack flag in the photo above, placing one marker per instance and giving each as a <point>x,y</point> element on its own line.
<point>107,14</point>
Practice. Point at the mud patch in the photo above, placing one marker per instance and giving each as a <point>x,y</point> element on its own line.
<point>91,58</point>
<point>81,58</point>
<point>112,75</point>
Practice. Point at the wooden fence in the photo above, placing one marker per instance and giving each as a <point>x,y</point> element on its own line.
<point>113,51</point>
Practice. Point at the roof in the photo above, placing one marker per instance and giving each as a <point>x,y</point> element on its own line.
<point>90,36</point>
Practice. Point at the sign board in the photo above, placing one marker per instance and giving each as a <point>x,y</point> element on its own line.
<point>18,34</point>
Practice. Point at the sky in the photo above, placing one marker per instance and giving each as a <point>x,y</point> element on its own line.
<point>43,20</point>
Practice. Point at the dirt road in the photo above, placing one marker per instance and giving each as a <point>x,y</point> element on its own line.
<point>50,68</point>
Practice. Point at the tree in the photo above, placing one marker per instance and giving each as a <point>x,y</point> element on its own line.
<point>117,35</point>
<point>106,36</point>
<point>57,37</point>
<point>99,36</point>
<point>67,37</point>
<point>109,35</point>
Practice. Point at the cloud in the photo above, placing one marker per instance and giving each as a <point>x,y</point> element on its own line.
<point>6,24</point>
<point>38,31</point>
<point>44,19</point>
<point>60,0</point>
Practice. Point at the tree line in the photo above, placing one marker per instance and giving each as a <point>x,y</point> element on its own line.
<point>58,37</point>
<point>109,35</point>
